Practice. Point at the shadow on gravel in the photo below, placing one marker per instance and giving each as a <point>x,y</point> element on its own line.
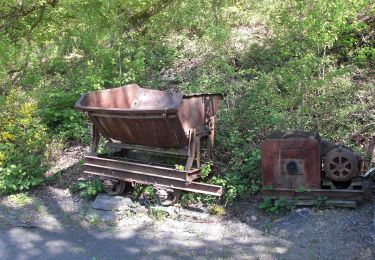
<point>60,233</point>
<point>76,241</point>
<point>329,233</point>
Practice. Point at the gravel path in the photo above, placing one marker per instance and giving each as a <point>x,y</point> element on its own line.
<point>48,222</point>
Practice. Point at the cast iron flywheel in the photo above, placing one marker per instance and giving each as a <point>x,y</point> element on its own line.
<point>340,164</point>
<point>114,187</point>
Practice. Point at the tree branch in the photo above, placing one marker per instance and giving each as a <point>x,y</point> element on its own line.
<point>138,19</point>
<point>19,12</point>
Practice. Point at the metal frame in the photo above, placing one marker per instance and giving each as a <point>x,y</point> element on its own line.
<point>149,174</point>
<point>192,151</point>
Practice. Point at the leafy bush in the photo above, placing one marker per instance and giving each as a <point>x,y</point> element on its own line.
<point>23,139</point>
<point>241,178</point>
<point>278,206</point>
<point>143,190</point>
<point>87,189</point>
<point>215,209</point>
<point>156,213</point>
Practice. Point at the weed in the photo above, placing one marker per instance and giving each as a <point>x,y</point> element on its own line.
<point>156,213</point>
<point>37,206</point>
<point>267,228</point>
<point>278,206</point>
<point>78,250</point>
<point>143,190</point>
<point>87,189</point>
<point>321,201</point>
<point>94,220</point>
<point>186,199</point>
<point>268,187</point>
<point>98,258</point>
<point>175,251</point>
<point>215,209</point>
<point>82,214</point>
<point>179,167</point>
<point>205,170</point>
<point>20,199</point>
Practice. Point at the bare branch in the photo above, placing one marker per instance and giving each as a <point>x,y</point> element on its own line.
<point>139,18</point>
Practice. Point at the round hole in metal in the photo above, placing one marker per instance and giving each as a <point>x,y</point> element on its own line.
<point>292,168</point>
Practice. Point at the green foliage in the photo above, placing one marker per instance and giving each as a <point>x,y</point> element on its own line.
<point>143,190</point>
<point>216,210</point>
<point>321,201</point>
<point>156,213</point>
<point>301,189</point>
<point>87,189</point>
<point>205,170</point>
<point>187,198</point>
<point>242,178</point>
<point>20,199</point>
<point>23,141</point>
<point>179,167</point>
<point>278,206</point>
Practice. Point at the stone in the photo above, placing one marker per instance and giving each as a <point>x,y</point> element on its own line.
<point>110,203</point>
<point>254,218</point>
<point>302,210</point>
<point>141,210</point>
<point>106,216</point>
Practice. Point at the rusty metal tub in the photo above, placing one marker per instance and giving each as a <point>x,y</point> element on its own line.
<point>135,115</point>
<point>132,117</point>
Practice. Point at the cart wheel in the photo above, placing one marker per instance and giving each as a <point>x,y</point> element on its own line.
<point>167,197</point>
<point>114,187</point>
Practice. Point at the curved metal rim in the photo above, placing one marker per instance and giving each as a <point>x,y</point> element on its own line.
<point>173,198</point>
<point>340,165</point>
<point>117,189</point>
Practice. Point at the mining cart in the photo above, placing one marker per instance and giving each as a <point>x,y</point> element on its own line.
<point>139,125</point>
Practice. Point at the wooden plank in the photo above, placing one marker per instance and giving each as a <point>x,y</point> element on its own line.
<point>305,203</point>
<point>342,203</point>
<point>315,193</point>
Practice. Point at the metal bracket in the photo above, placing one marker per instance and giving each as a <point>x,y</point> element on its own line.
<point>368,172</point>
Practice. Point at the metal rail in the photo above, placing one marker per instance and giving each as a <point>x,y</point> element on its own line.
<point>149,174</point>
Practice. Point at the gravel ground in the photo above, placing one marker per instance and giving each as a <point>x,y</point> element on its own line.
<point>48,222</point>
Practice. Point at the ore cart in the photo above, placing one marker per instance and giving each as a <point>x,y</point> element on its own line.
<point>135,120</point>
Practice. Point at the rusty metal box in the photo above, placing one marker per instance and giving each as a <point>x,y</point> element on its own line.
<point>291,163</point>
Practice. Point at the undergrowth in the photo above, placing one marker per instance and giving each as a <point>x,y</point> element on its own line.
<point>277,206</point>
<point>87,189</point>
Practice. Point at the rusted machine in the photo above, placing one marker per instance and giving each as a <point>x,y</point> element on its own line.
<point>300,164</point>
<point>136,120</point>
